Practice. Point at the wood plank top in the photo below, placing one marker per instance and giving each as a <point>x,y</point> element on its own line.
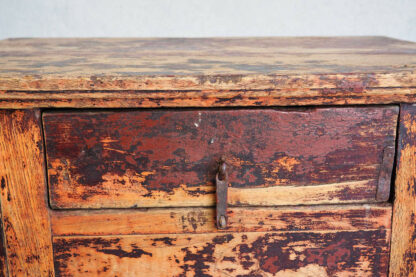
<point>191,72</point>
<point>34,63</point>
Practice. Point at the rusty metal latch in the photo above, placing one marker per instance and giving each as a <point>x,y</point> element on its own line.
<point>221,181</point>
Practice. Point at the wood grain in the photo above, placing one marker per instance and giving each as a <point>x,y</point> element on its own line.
<point>206,72</point>
<point>3,254</point>
<point>351,92</point>
<point>23,195</point>
<point>196,63</point>
<point>403,252</point>
<point>170,157</point>
<point>201,220</point>
<point>325,253</point>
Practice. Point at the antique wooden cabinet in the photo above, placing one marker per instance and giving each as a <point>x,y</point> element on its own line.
<point>208,157</point>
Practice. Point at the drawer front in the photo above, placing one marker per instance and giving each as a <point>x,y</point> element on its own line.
<point>362,253</point>
<point>298,241</point>
<point>156,158</point>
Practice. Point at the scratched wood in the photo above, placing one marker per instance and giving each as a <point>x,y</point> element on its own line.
<point>201,220</point>
<point>23,195</point>
<point>325,253</point>
<point>205,72</point>
<point>170,158</point>
<point>403,253</point>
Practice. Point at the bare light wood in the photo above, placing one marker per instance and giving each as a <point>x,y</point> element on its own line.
<point>205,72</point>
<point>403,251</point>
<point>201,220</point>
<point>23,195</point>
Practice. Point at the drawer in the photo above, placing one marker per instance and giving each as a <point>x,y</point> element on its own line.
<point>362,253</point>
<point>168,158</point>
<point>332,240</point>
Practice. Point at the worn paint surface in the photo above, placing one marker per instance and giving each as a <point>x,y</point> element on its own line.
<point>205,72</point>
<point>170,158</point>
<point>23,194</point>
<point>347,94</point>
<point>403,254</point>
<point>343,253</point>
<point>201,220</point>
<point>198,63</point>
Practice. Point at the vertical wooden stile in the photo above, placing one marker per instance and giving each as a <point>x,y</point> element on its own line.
<point>23,194</point>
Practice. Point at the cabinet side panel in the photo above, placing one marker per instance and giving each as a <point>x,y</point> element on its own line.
<point>3,261</point>
<point>23,194</point>
<point>403,255</point>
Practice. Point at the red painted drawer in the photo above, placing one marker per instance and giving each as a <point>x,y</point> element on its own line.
<point>157,158</point>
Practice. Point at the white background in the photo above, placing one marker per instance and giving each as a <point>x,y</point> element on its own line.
<point>207,18</point>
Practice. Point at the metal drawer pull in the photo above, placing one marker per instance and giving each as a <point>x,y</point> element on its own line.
<point>221,181</point>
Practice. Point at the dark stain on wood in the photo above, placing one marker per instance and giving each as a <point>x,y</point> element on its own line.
<point>197,262</point>
<point>337,254</point>
<point>152,152</point>
<point>105,246</point>
<point>164,240</point>
<point>3,183</point>
<point>135,253</point>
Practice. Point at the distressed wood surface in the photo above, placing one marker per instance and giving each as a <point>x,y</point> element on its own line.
<point>403,253</point>
<point>170,158</point>
<point>202,220</point>
<point>117,63</point>
<point>205,72</point>
<point>325,253</point>
<point>23,195</point>
<point>3,254</point>
<point>351,90</point>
